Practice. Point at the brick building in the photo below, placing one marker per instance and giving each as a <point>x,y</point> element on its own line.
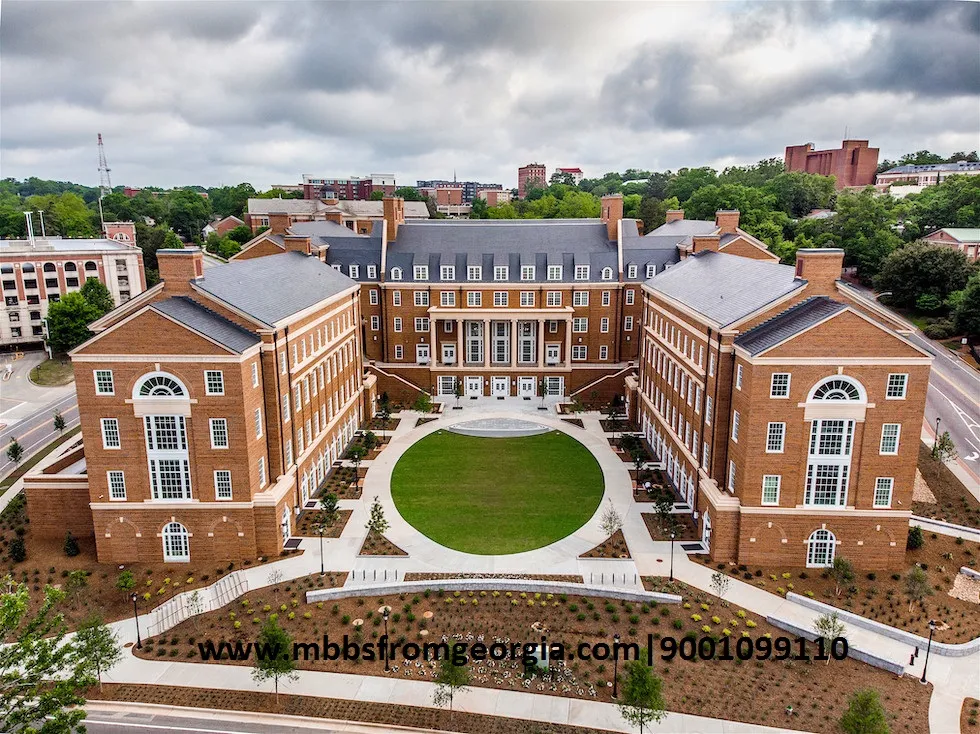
<point>576,174</point>
<point>964,239</point>
<point>471,189</point>
<point>348,189</point>
<point>786,406</point>
<point>535,173</point>
<point>358,216</point>
<point>36,272</point>
<point>211,407</point>
<point>854,163</point>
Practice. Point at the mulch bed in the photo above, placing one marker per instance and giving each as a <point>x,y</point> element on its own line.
<point>880,595</point>
<point>612,547</point>
<point>970,716</point>
<point>376,424</point>
<point>755,691</point>
<point>417,576</point>
<point>339,481</point>
<point>306,525</point>
<point>684,527</point>
<point>574,421</point>
<point>955,503</point>
<point>426,419</point>
<point>379,545</point>
<point>338,709</point>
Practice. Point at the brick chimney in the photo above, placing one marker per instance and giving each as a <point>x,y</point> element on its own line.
<point>821,268</point>
<point>279,222</point>
<point>297,243</point>
<point>612,212</point>
<point>394,215</point>
<point>726,220</point>
<point>674,215</point>
<point>179,267</point>
<point>703,242</point>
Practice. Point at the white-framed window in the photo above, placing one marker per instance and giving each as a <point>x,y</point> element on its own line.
<point>628,323</point>
<point>372,272</point>
<point>630,297</point>
<point>261,466</point>
<point>447,272</point>
<point>447,326</point>
<point>214,382</point>
<point>579,352</point>
<point>775,438</point>
<point>285,407</point>
<point>397,323</point>
<point>110,433</point>
<point>447,298</point>
<point>474,272</point>
<point>396,273</point>
<point>711,365</point>
<point>603,352</point>
<point>283,367</point>
<point>500,272</point>
<point>731,476</point>
<point>258,422</point>
<point>889,438</point>
<point>255,374</point>
<point>375,322</point>
<point>527,272</point>
<point>399,351</point>
<point>500,298</point>
<point>552,327</point>
<point>883,491</point>
<point>581,272</point>
<point>420,272</point>
<point>580,325</point>
<point>779,387</point>
<point>708,405</point>
<point>738,377</point>
<point>603,325</point>
<point>222,484</point>
<point>354,271</point>
<point>651,269</point>
<point>474,298</point>
<point>820,549</point>
<point>176,543</point>
<point>606,298</point>
<point>289,452</point>
<point>897,384</point>
<point>373,296</point>
<point>421,324</point>
<point>396,298</point>
<point>630,272</point>
<point>580,298</point>
<point>770,489</point>
<point>117,485</point>
<point>554,298</point>
<point>219,432</point>
<point>705,454</point>
<point>421,298</point>
<point>527,298</point>
<point>736,419</point>
<point>103,383</point>
<point>554,272</point>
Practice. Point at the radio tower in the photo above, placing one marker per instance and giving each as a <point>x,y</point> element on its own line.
<point>105,183</point>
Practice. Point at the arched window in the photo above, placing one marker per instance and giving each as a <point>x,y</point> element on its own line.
<point>27,268</point>
<point>160,385</point>
<point>121,237</point>
<point>606,274</point>
<point>70,267</point>
<point>176,543</point>
<point>836,388</point>
<point>396,273</point>
<point>49,267</point>
<point>90,266</point>
<point>820,549</point>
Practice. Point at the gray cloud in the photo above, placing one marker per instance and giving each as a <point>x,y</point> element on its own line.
<point>219,92</point>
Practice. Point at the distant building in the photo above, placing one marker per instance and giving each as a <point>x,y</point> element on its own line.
<point>448,198</point>
<point>531,172</point>
<point>470,188</point>
<point>347,189</point>
<point>575,173</point>
<point>129,192</point>
<point>964,239</point>
<point>357,216</point>
<point>494,197</point>
<point>854,163</point>
<point>289,188</point>
<point>222,226</point>
<point>904,180</point>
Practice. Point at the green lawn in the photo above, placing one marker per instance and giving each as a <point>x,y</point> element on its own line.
<point>53,372</point>
<point>497,495</point>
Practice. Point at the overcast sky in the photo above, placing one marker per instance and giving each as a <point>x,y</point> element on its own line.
<point>217,93</point>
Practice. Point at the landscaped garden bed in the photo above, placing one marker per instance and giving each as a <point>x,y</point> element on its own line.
<point>682,526</point>
<point>954,502</point>
<point>342,481</point>
<point>371,443</point>
<point>612,547</point>
<point>817,692</point>
<point>306,525</point>
<point>970,716</point>
<point>618,427</point>
<point>376,424</point>
<point>376,544</point>
<point>426,419</point>
<point>566,579</point>
<point>577,422</point>
<point>882,595</point>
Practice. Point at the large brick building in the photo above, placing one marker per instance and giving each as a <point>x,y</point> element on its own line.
<point>533,174</point>
<point>854,163</point>
<point>357,216</point>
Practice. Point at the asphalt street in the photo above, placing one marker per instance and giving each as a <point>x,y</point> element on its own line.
<point>37,430</point>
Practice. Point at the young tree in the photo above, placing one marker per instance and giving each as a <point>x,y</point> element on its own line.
<point>68,321</point>
<point>276,662</point>
<point>98,296</point>
<point>664,507</point>
<point>274,579</point>
<point>75,582</point>
<point>195,606</point>
<point>917,585</point>
<point>15,452</point>
<point>377,522</point>
<point>829,627</point>
<point>458,391</point>
<point>99,645</point>
<point>641,699</point>
<point>423,403</point>
<point>370,441</point>
<point>720,583</point>
<point>615,416</point>
<point>126,583</point>
<point>356,456</point>
<point>944,451</point>
<point>384,411</point>
<point>610,522</point>
<point>59,422</point>
<point>842,572</point>
<point>328,513</point>
<point>38,652</point>
<point>450,680</point>
<point>71,545</point>
<point>865,714</point>
<point>915,539</point>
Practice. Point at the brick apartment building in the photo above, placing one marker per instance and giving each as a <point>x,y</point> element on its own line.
<point>854,163</point>
<point>36,272</point>
<point>531,173</point>
<point>963,239</point>
<point>471,189</point>
<point>211,406</point>
<point>358,216</point>
<point>348,189</point>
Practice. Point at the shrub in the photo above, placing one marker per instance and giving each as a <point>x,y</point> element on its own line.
<point>71,545</point>
<point>939,329</point>
<point>17,551</point>
<point>915,540</point>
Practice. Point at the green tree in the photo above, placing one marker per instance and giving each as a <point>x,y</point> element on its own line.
<point>689,180</point>
<point>126,582</point>
<point>240,234</point>
<point>865,714</point>
<point>653,211</point>
<point>756,175</point>
<point>944,451</point>
<point>59,422</point>
<point>922,269</point>
<point>71,545</point>
<point>43,671</point>
<point>95,292</point>
<point>797,193</point>
<point>376,195</point>
<point>967,314</point>
<point>278,661</point>
<point>188,212</point>
<point>920,158</point>
<point>641,698</point>
<point>917,586</point>
<point>72,218</point>
<point>842,572</point>
<point>68,321</point>
<point>15,452</point>
<point>377,523</point>
<point>451,679</point>
<point>409,193</point>
<point>229,201</point>
<point>915,538</point>
<point>328,512</point>
<point>356,455</point>
<point>829,627</point>
<point>579,205</point>
<point>423,403</point>
<point>953,203</point>
<point>479,209</point>
<point>864,228</point>
<point>99,645</point>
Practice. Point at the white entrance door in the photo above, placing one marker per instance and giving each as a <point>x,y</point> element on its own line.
<point>551,353</point>
<point>525,387</point>
<point>555,386</point>
<point>500,386</point>
<point>706,532</point>
<point>449,354</point>
<point>474,387</point>
<point>422,353</point>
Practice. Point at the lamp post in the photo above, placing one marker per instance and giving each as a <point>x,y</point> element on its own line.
<point>615,665</point>
<point>136,616</point>
<point>384,616</point>
<point>319,532</point>
<point>925,664</point>
<point>936,440</point>
<point>672,536</point>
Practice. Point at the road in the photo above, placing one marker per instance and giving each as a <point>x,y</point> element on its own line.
<point>37,430</point>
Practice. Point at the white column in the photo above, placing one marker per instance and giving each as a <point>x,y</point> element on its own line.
<point>513,342</point>
<point>540,336</point>
<point>568,343</point>
<point>433,359</point>
<point>486,342</point>
<point>460,355</point>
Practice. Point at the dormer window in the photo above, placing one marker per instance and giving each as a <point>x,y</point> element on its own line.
<point>396,273</point>
<point>421,272</point>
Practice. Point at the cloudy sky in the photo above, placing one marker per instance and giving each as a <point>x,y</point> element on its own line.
<point>216,93</point>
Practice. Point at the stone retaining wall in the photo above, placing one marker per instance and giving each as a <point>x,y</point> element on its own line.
<point>852,652</point>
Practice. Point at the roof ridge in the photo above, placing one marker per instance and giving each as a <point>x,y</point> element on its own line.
<point>796,306</point>
<point>210,311</point>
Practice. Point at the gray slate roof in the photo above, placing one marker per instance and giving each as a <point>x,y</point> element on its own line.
<point>207,322</point>
<point>791,321</point>
<point>725,288</point>
<point>275,287</point>
<point>941,167</point>
<point>678,233</point>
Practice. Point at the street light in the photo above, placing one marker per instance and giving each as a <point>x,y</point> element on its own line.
<point>384,616</point>
<point>319,531</point>
<point>136,616</point>
<point>672,536</point>
<point>936,440</point>
<point>615,665</point>
<point>925,664</point>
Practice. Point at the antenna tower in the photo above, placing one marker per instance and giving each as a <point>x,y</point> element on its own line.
<point>105,183</point>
